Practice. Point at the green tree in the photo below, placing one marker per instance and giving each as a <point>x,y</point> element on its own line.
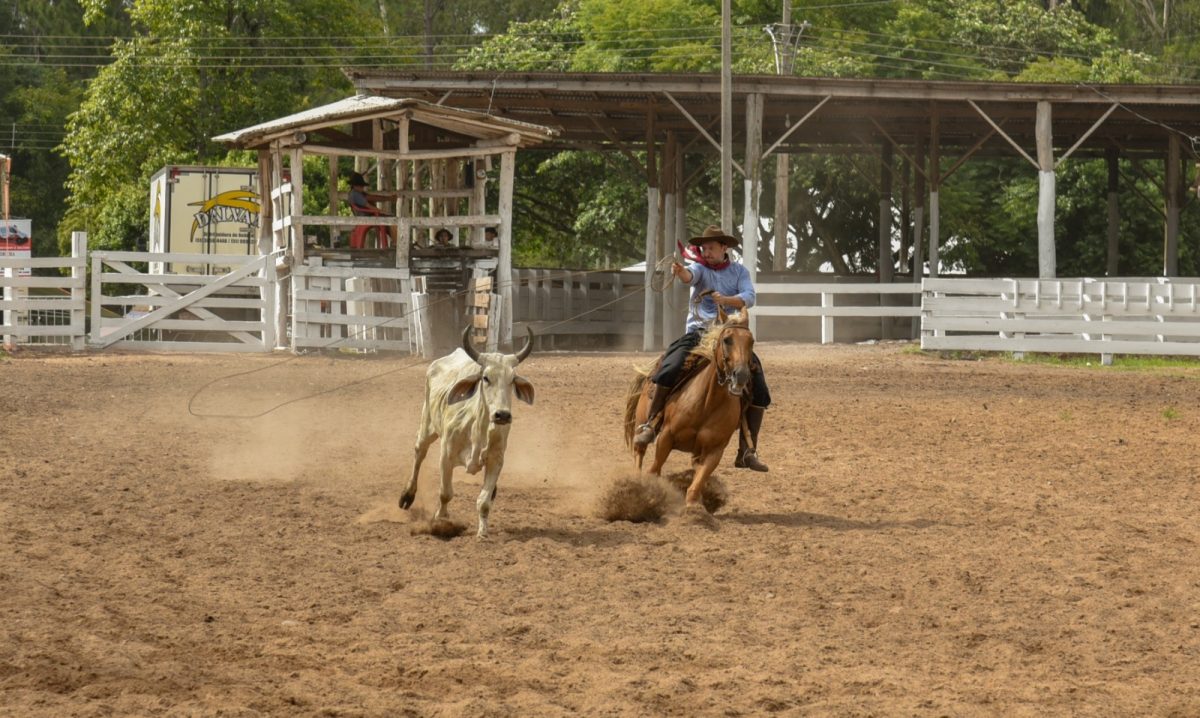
<point>47,56</point>
<point>191,71</point>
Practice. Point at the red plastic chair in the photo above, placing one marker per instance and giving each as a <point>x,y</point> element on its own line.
<point>358,236</point>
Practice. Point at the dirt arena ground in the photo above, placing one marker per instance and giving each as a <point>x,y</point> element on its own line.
<point>936,537</point>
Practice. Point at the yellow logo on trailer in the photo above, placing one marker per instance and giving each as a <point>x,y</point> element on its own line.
<point>238,205</point>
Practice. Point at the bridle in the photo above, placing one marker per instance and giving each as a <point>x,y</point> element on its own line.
<point>721,361</point>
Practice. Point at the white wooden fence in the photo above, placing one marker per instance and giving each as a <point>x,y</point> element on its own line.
<point>1082,316</point>
<point>830,300</point>
<point>562,303</point>
<point>182,312</point>
<point>366,309</point>
<point>354,308</point>
<point>42,310</point>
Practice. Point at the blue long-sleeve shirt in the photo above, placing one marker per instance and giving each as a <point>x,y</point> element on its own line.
<point>730,281</point>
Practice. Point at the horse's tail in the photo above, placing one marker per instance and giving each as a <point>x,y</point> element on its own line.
<point>631,402</point>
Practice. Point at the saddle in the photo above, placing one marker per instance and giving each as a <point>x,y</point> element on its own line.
<point>692,365</point>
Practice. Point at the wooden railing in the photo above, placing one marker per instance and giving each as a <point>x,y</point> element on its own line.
<point>1085,316</point>
<point>356,308</point>
<point>827,301</point>
<point>42,310</point>
<point>562,303</point>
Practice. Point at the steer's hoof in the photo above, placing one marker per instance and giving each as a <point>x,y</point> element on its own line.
<point>407,500</point>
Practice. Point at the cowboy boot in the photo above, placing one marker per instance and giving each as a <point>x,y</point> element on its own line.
<point>646,432</point>
<point>747,456</point>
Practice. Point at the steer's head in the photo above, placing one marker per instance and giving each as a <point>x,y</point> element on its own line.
<point>496,380</point>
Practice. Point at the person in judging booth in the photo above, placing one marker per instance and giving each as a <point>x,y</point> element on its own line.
<point>733,290</point>
<point>361,204</point>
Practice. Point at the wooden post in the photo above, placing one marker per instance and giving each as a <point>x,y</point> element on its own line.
<point>753,185</point>
<point>508,162</point>
<point>265,205</point>
<point>918,236</point>
<point>97,300</point>
<point>9,316</point>
<point>885,231</point>
<point>296,166</point>
<point>826,319</point>
<point>1112,158</point>
<point>1171,190</point>
<point>783,173</point>
<point>546,290</point>
<point>334,202</point>
<point>935,184</point>
<point>270,313</point>
<point>885,213</point>
<point>726,119</point>
<point>918,258</point>
<point>902,261</point>
<point>404,208</point>
<point>667,235</point>
<point>1047,262</point>
<point>649,305</point>
<point>753,189</point>
<point>78,292</point>
<point>680,291</point>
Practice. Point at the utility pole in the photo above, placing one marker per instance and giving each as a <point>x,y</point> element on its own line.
<point>785,45</point>
<point>726,120</point>
<point>5,172</point>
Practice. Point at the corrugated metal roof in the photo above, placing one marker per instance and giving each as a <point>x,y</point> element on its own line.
<point>363,107</point>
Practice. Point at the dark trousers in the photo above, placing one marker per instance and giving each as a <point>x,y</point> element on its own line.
<point>672,365</point>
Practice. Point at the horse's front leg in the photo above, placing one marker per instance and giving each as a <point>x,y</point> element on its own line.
<point>662,449</point>
<point>704,469</point>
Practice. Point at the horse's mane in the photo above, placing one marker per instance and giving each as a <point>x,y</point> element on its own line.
<point>709,339</point>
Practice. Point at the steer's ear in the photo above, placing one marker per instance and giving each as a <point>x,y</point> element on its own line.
<point>523,389</point>
<point>463,390</point>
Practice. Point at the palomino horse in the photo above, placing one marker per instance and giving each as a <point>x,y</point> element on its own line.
<point>701,416</point>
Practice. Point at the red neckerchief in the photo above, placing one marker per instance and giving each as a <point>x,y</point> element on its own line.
<point>693,253</point>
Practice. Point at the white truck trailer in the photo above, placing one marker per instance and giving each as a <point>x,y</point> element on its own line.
<point>203,210</point>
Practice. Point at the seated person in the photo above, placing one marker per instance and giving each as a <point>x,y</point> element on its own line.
<point>361,205</point>
<point>490,236</point>
<point>442,239</point>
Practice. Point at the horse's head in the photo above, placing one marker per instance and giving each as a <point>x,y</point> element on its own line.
<point>733,350</point>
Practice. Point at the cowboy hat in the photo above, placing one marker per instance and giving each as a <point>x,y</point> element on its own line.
<point>713,232</point>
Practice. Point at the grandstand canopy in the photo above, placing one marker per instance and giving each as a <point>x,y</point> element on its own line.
<point>604,109</point>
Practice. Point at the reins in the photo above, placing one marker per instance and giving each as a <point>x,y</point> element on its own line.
<point>724,375</point>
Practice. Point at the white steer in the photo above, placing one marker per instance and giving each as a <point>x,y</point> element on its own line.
<point>468,403</point>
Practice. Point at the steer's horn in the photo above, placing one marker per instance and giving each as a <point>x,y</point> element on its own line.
<point>467,346</point>
<point>525,350</point>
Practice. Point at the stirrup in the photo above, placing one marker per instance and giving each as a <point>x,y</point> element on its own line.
<point>750,460</point>
<point>645,434</point>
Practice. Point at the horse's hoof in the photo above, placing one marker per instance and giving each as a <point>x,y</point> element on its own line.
<point>406,501</point>
<point>696,515</point>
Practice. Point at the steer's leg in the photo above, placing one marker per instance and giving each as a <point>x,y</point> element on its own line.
<point>707,465</point>
<point>447,487</point>
<point>488,494</point>
<point>419,451</point>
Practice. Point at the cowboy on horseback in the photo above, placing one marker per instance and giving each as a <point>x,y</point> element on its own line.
<point>715,280</point>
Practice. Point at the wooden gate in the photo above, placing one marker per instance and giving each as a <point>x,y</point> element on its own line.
<point>183,312</point>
